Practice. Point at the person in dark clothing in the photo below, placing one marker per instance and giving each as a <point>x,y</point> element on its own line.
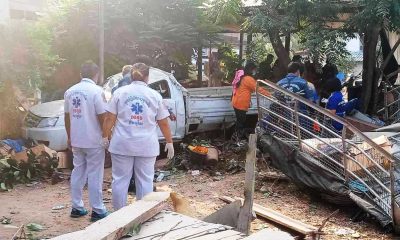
<point>126,80</point>
<point>337,105</point>
<point>329,82</point>
<point>265,68</point>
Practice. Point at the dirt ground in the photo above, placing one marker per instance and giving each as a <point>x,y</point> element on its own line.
<point>33,204</point>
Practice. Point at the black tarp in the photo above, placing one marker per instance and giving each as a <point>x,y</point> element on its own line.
<point>306,171</point>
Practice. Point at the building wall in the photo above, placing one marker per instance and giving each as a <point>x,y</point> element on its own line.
<point>4,10</point>
<point>21,9</point>
<point>28,5</point>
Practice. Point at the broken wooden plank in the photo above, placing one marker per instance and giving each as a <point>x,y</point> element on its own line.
<point>269,234</point>
<point>245,215</point>
<point>119,223</point>
<point>170,225</point>
<point>279,218</point>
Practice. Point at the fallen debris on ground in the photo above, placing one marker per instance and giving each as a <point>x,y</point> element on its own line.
<point>26,165</point>
<point>278,218</point>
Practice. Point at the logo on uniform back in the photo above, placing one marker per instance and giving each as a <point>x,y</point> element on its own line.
<point>76,111</point>
<point>137,108</point>
<point>137,114</point>
<point>76,102</point>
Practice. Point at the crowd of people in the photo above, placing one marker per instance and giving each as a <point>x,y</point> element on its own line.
<point>130,119</point>
<point>327,94</point>
<point>123,126</point>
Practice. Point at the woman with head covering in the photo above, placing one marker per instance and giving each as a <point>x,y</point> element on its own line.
<point>241,97</point>
<point>134,112</point>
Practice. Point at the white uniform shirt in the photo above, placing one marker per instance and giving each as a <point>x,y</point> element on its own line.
<point>138,108</point>
<point>84,101</point>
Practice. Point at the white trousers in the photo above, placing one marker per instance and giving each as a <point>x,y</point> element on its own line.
<point>122,170</point>
<point>88,167</point>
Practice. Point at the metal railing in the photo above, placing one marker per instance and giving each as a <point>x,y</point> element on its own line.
<point>363,163</point>
<point>391,108</point>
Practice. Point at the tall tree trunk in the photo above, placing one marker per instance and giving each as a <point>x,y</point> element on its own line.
<point>241,46</point>
<point>371,37</point>
<point>280,51</point>
<point>287,42</point>
<point>248,48</point>
<point>200,66</point>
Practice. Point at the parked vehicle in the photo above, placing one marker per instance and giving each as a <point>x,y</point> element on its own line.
<point>197,110</point>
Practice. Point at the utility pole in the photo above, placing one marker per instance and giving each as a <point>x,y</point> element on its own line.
<point>101,41</point>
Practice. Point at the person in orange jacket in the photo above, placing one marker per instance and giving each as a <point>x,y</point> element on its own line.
<point>243,87</point>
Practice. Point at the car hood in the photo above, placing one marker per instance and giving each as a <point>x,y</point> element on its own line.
<point>49,109</point>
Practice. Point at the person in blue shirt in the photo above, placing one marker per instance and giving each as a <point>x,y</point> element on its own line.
<point>294,83</point>
<point>126,80</point>
<point>337,105</point>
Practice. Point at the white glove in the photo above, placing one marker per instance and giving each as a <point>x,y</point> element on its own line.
<point>169,149</point>
<point>105,143</point>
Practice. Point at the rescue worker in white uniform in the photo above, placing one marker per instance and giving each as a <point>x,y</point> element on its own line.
<point>135,111</point>
<point>84,115</point>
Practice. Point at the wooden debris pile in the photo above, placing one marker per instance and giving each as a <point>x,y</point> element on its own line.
<point>25,166</point>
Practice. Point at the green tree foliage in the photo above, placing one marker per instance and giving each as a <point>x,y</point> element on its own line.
<point>384,13</point>
<point>258,49</point>
<point>224,12</point>
<point>26,57</point>
<point>370,19</point>
<point>230,60</point>
<point>305,18</point>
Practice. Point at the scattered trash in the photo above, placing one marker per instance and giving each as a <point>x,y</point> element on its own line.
<point>16,145</point>
<point>25,166</point>
<point>35,227</point>
<point>355,235</point>
<point>235,166</point>
<point>264,189</point>
<point>195,172</point>
<point>217,178</point>
<point>266,194</point>
<point>32,184</point>
<point>344,232</point>
<point>10,226</point>
<point>198,149</point>
<point>358,186</point>
<point>160,177</point>
<point>5,220</point>
<point>58,207</point>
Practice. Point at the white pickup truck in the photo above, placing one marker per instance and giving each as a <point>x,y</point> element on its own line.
<point>196,110</point>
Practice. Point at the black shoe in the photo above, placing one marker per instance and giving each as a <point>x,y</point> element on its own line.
<point>95,216</point>
<point>75,213</point>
